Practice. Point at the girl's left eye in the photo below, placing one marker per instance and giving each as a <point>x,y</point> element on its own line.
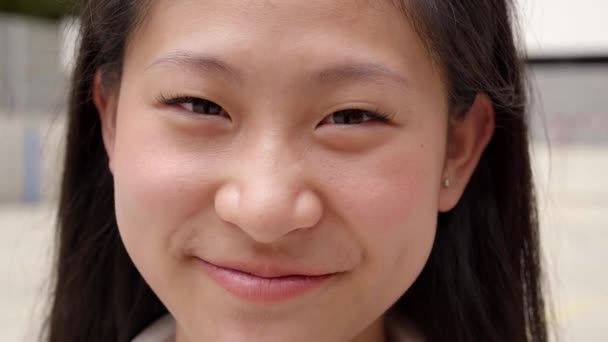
<point>355,116</point>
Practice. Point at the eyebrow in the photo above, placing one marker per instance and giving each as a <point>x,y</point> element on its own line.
<point>344,72</point>
<point>367,72</point>
<point>199,63</point>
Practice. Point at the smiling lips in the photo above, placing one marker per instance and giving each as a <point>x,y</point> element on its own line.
<point>264,284</point>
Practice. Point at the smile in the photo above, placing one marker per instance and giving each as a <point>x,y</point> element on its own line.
<point>253,287</point>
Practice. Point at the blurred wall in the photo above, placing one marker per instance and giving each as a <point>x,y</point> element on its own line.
<point>31,78</point>
<point>31,154</point>
<point>33,83</point>
<point>554,28</point>
<point>569,103</point>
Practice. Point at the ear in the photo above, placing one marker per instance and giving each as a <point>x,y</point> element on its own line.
<point>467,139</point>
<point>106,102</point>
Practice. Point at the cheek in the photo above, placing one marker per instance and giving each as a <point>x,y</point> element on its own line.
<point>390,201</point>
<point>388,190</point>
<point>160,184</point>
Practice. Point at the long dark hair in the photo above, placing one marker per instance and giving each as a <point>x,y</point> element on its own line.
<point>483,280</point>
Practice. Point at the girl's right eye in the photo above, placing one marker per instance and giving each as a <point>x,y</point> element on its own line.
<point>195,105</point>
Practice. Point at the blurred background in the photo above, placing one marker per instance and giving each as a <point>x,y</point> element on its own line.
<point>567,65</point>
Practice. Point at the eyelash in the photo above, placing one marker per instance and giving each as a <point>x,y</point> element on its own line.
<point>181,99</point>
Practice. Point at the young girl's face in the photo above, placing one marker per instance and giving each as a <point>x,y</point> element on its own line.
<point>248,135</point>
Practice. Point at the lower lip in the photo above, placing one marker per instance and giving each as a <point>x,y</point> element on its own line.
<point>253,288</point>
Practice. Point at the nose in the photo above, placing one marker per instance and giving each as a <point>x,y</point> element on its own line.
<point>266,196</point>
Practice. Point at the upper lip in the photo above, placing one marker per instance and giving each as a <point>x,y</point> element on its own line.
<point>268,270</point>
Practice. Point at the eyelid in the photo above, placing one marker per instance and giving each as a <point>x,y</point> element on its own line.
<point>360,104</point>
<point>372,109</point>
<point>177,99</point>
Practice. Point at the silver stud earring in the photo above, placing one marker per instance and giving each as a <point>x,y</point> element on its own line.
<point>446,182</point>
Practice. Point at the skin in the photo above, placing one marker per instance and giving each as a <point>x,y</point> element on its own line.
<point>273,178</point>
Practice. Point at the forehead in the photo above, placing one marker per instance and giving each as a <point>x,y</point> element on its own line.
<point>287,11</point>
<point>379,19</point>
<point>292,33</point>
